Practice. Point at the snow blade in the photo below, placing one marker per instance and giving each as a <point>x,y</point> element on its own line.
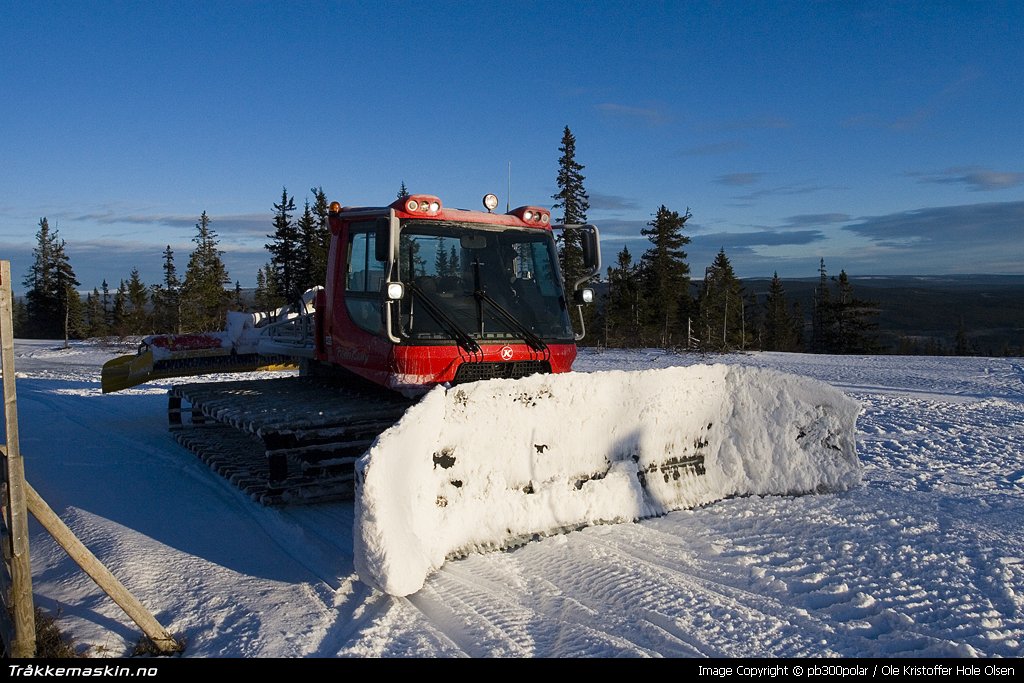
<point>125,372</point>
<point>494,464</point>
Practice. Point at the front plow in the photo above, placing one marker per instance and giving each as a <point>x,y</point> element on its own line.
<point>125,372</point>
<point>493,464</point>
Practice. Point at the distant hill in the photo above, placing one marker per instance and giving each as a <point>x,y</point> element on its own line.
<point>921,314</point>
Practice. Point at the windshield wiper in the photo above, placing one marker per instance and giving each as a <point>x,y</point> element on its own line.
<point>531,339</point>
<point>440,317</point>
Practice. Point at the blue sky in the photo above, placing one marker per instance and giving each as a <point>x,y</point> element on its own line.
<point>884,138</point>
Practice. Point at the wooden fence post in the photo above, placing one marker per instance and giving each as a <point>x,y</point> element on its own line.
<point>21,604</point>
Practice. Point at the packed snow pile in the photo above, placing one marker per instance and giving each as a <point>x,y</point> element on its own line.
<point>492,464</point>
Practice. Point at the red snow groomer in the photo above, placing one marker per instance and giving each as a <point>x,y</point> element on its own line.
<point>417,295</point>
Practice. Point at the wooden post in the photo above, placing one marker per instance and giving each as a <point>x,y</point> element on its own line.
<point>22,605</point>
<point>99,573</point>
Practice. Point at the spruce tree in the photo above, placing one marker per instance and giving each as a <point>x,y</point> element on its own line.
<point>53,307</point>
<point>139,321</point>
<point>842,323</point>
<point>69,301</point>
<point>855,320</point>
<point>722,307</point>
<point>454,266</point>
<point>623,310</point>
<point>442,267</point>
<point>284,249</point>
<point>961,346</point>
<point>108,319</point>
<point>665,277</point>
<point>780,329</point>
<point>322,238</point>
<point>265,298</point>
<point>166,298</point>
<point>237,298</point>
<point>572,198</point>
<point>822,322</point>
<point>308,239</point>
<point>41,285</point>
<point>96,317</point>
<point>260,293</point>
<point>403,192</point>
<point>19,317</point>
<point>119,314</point>
<point>204,299</point>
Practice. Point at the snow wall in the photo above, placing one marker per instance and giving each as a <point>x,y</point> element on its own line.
<point>492,464</point>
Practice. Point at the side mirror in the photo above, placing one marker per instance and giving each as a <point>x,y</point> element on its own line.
<point>591,249</point>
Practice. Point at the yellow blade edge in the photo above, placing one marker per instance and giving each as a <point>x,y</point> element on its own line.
<point>125,372</point>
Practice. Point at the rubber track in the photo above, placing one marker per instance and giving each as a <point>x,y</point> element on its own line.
<point>284,441</point>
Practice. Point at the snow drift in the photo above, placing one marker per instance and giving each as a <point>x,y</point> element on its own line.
<point>492,464</point>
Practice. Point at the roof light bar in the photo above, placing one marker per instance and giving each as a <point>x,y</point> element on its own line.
<point>422,204</point>
<point>533,215</point>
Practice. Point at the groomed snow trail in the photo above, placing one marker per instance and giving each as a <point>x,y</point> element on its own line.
<point>923,559</point>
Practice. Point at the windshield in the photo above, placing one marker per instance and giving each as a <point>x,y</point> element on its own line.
<point>490,284</point>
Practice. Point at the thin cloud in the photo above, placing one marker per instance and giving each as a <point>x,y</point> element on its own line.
<point>947,93</point>
<point>650,115</point>
<point>714,148</point>
<point>975,178</point>
<point>863,120</point>
<point>761,238</point>
<point>739,179</point>
<point>239,224</point>
<point>949,227</point>
<point>926,111</point>
<point>757,123</point>
<point>618,230</point>
<point>611,202</point>
<point>811,219</point>
<point>784,190</point>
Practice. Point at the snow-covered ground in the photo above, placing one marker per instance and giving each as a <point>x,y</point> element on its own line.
<point>923,558</point>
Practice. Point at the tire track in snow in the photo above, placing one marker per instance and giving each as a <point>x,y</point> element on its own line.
<point>489,616</point>
<point>1018,370</point>
<point>873,574</point>
<point>640,574</point>
<point>622,610</point>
